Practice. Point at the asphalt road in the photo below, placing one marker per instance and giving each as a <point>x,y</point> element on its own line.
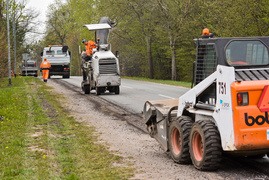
<point>133,94</point>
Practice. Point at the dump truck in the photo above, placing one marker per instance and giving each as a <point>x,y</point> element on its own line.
<point>225,112</point>
<point>28,68</point>
<point>59,58</point>
<point>102,70</point>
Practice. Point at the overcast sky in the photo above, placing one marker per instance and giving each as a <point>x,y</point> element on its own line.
<point>41,7</point>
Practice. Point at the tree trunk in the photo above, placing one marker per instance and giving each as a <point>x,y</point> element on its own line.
<point>173,54</point>
<point>150,63</point>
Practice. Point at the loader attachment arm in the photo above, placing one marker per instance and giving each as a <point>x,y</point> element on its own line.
<point>157,117</point>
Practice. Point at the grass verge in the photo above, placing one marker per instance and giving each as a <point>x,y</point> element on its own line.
<point>169,82</point>
<point>39,139</point>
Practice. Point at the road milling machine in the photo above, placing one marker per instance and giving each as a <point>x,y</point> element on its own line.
<point>227,109</point>
<point>101,72</point>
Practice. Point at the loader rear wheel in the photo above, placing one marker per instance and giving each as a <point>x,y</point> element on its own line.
<point>205,146</point>
<point>178,139</point>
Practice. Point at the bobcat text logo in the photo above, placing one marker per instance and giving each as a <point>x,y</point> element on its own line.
<point>260,120</point>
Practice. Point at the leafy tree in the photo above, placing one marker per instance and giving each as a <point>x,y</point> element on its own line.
<point>177,16</point>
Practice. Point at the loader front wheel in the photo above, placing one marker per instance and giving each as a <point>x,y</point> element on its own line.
<point>178,139</point>
<point>205,146</point>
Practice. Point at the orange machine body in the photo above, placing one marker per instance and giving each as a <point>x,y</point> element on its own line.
<point>251,122</point>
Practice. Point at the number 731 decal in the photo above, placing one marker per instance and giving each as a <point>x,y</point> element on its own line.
<point>222,87</point>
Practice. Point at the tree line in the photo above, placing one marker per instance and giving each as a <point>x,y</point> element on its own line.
<point>154,37</point>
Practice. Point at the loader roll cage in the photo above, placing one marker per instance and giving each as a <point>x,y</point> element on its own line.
<point>240,53</point>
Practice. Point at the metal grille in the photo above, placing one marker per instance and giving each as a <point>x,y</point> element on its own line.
<point>206,62</point>
<point>107,66</point>
<point>251,74</point>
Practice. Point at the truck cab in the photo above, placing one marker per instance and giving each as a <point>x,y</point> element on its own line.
<point>59,58</point>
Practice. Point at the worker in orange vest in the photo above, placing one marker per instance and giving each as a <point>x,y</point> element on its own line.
<point>89,46</point>
<point>45,66</point>
<point>87,55</point>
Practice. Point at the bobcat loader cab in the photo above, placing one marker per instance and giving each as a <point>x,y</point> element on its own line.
<point>226,110</point>
<point>103,69</point>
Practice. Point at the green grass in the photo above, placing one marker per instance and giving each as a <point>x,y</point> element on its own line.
<point>169,82</point>
<point>39,139</point>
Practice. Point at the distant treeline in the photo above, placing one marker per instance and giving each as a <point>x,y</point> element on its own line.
<point>154,37</point>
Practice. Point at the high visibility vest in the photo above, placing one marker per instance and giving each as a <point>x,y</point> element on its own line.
<point>89,47</point>
<point>45,65</point>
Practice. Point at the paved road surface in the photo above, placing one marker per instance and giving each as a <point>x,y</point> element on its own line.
<point>133,94</point>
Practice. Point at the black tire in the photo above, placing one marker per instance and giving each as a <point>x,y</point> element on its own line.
<point>98,90</point>
<point>258,156</point>
<point>117,90</point>
<point>111,89</point>
<point>87,89</point>
<point>205,146</point>
<point>66,76</point>
<point>103,90</point>
<point>178,139</point>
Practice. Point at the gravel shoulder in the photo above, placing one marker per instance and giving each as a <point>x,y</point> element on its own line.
<point>140,150</point>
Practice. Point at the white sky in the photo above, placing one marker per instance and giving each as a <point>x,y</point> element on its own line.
<point>41,7</point>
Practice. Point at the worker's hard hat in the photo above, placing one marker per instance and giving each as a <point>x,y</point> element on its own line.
<point>83,40</point>
<point>45,59</point>
<point>205,31</point>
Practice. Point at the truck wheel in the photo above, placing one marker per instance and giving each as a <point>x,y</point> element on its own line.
<point>117,90</point>
<point>205,146</point>
<point>178,139</point>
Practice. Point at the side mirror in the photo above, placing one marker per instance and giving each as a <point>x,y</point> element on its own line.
<point>64,49</point>
<point>117,54</point>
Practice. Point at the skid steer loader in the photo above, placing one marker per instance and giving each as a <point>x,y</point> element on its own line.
<point>227,109</point>
<point>102,70</point>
